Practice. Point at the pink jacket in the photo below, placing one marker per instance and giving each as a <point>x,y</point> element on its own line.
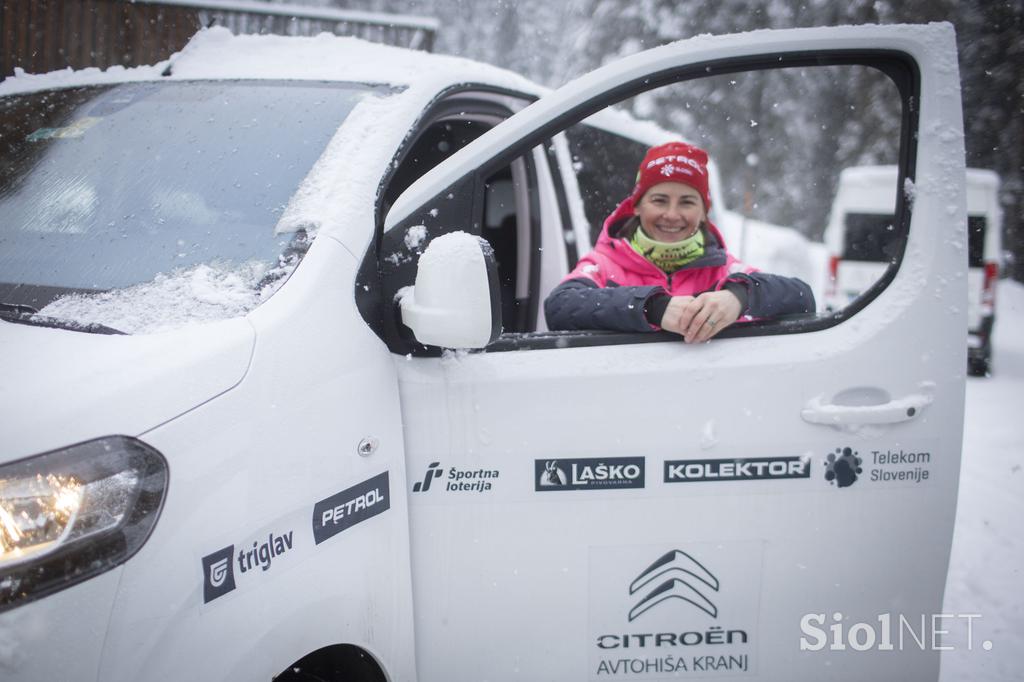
<point>615,288</point>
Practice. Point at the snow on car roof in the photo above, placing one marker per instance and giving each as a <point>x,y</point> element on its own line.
<point>215,53</point>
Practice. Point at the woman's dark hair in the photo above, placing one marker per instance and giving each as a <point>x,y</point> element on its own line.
<point>628,228</point>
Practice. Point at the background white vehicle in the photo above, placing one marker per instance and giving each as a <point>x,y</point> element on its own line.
<point>304,489</point>
<point>860,246</point>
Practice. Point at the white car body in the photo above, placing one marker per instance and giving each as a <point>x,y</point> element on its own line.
<point>562,473</point>
<point>871,191</point>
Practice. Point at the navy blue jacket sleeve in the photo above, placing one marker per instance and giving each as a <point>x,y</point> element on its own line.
<point>773,295</point>
<point>581,304</point>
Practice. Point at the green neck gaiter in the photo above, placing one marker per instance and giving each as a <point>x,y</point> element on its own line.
<point>668,256</point>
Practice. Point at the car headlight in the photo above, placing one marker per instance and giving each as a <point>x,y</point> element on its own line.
<point>71,514</point>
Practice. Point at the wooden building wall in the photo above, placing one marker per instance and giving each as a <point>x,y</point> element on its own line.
<point>45,35</point>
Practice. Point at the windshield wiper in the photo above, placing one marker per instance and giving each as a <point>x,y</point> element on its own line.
<point>19,313</point>
<point>18,308</point>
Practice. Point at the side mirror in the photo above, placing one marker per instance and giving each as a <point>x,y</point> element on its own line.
<point>456,301</point>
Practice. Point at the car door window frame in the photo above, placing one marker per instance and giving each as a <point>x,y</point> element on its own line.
<point>379,278</point>
<point>899,66</point>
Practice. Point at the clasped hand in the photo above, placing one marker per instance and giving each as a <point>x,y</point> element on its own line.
<point>698,318</point>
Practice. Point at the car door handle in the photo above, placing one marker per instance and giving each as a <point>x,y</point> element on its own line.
<point>863,406</point>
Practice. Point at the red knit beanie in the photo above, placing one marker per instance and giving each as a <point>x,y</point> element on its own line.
<point>674,162</point>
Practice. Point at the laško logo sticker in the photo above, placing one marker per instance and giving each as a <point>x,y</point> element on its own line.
<point>588,474</point>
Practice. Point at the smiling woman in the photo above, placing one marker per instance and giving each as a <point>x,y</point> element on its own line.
<point>164,191</point>
<point>661,263</point>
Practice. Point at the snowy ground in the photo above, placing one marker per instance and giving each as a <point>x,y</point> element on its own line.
<point>987,566</point>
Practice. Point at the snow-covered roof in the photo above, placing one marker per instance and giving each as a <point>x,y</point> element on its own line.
<point>306,12</point>
<point>216,53</point>
<point>873,188</point>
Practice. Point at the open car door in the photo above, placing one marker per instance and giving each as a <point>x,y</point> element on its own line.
<point>777,503</point>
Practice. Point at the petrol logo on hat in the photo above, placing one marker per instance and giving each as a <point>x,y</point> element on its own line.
<point>669,169</point>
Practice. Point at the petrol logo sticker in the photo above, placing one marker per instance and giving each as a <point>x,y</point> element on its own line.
<point>351,506</point>
<point>745,469</point>
<point>218,573</point>
<point>610,473</point>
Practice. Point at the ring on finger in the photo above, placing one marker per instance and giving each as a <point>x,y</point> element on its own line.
<point>711,323</point>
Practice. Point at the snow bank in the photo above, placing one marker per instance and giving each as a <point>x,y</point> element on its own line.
<point>987,562</point>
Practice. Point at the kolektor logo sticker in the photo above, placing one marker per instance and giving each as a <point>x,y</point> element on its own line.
<point>740,469</point>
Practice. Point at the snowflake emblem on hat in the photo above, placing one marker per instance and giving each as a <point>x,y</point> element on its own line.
<point>668,169</point>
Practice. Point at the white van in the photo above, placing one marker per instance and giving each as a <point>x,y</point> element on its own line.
<point>860,246</point>
<point>272,410</point>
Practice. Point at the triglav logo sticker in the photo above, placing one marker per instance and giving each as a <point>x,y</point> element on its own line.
<point>226,569</point>
<point>745,469</point>
<point>675,575</point>
<point>845,466</point>
<point>458,480</point>
<point>218,573</point>
<point>588,474</point>
<point>353,505</point>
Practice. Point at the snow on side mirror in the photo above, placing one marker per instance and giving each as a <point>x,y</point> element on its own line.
<point>456,302</point>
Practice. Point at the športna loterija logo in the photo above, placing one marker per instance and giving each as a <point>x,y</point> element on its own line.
<point>676,575</point>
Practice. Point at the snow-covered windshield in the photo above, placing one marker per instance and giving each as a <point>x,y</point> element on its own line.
<point>165,190</point>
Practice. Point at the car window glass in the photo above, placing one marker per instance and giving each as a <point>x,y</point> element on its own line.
<point>780,139</point>
<point>109,187</point>
<point>605,164</point>
<point>434,145</point>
